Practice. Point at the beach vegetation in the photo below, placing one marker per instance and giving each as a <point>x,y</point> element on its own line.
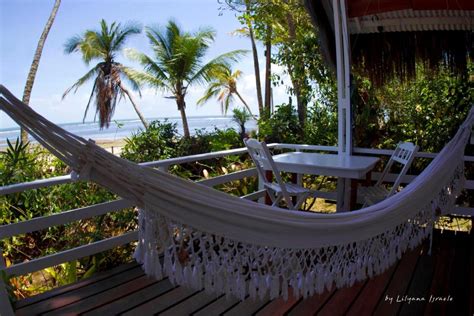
<point>241,116</point>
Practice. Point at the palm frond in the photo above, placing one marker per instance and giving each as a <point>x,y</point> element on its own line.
<point>211,92</point>
<point>128,29</point>
<point>72,44</point>
<point>209,70</point>
<point>91,96</point>
<point>127,75</point>
<point>93,72</point>
<point>150,65</point>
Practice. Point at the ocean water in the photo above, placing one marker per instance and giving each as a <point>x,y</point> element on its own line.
<point>129,127</point>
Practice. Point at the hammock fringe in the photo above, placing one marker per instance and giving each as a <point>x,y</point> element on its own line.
<point>221,265</point>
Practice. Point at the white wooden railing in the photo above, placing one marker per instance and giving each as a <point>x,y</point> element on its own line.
<point>68,216</point>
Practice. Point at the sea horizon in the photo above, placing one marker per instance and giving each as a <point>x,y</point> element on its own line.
<point>124,128</point>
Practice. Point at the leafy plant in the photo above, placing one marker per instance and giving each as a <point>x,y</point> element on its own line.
<point>158,141</point>
<point>241,116</point>
<point>282,127</point>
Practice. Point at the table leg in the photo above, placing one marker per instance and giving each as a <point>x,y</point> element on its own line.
<point>340,194</point>
<point>269,176</point>
<point>353,199</point>
<point>344,195</point>
<point>368,179</point>
<point>294,179</point>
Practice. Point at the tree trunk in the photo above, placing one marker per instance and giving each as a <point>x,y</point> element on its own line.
<point>182,110</point>
<point>295,79</point>
<point>36,59</point>
<point>139,113</point>
<point>245,103</point>
<point>268,70</point>
<point>256,66</point>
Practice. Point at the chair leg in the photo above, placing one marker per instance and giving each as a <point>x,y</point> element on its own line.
<point>301,198</point>
<point>277,200</point>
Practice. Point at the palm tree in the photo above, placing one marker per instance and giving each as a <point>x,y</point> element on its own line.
<point>241,116</point>
<point>107,74</point>
<point>36,59</point>
<point>224,86</point>
<point>178,64</point>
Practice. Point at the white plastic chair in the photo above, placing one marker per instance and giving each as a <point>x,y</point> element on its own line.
<point>277,191</point>
<point>403,155</point>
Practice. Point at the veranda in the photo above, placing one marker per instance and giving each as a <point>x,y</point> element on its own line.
<point>442,282</point>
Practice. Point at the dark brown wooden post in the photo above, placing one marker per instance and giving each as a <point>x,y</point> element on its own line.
<point>269,176</point>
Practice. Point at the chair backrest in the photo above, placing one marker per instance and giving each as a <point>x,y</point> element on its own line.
<point>263,160</point>
<point>404,155</point>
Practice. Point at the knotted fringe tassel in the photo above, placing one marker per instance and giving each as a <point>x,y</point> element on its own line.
<point>221,265</point>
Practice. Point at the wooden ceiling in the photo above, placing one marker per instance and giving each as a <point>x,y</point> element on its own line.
<point>358,8</point>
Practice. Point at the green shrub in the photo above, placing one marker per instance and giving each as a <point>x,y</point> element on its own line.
<point>158,141</point>
<point>23,163</point>
<point>281,127</point>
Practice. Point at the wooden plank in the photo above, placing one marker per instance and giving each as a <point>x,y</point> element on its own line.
<point>459,281</point>
<point>341,300</point>
<point>398,284</point>
<point>217,307</point>
<point>62,218</point>
<point>311,305</point>
<point>70,287</point>
<point>99,299</point>
<point>371,294</point>
<point>36,184</point>
<point>191,304</point>
<point>71,254</point>
<point>247,307</point>
<point>251,172</point>
<point>134,299</point>
<point>162,302</point>
<point>441,277</point>
<point>165,163</point>
<point>81,293</point>
<point>471,273</point>
<point>278,306</point>
<point>6,308</point>
<point>420,284</point>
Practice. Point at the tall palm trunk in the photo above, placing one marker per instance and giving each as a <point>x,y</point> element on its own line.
<point>268,70</point>
<point>295,79</point>
<point>256,66</point>
<point>36,59</point>
<point>245,103</point>
<point>139,113</point>
<point>182,109</point>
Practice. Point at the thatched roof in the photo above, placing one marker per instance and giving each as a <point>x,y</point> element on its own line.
<point>388,37</point>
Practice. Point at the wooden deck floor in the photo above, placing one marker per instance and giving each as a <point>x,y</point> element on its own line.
<point>447,274</point>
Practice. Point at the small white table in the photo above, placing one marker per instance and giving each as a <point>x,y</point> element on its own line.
<point>346,168</point>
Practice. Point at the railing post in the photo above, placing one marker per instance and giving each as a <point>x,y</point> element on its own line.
<point>5,306</point>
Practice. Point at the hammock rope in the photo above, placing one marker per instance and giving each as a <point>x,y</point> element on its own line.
<point>225,244</point>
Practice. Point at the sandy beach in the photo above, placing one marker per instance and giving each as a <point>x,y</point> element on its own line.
<point>112,145</point>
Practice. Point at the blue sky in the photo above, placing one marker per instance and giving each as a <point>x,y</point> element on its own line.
<point>21,24</point>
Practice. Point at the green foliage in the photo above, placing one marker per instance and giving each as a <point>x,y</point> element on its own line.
<point>426,111</point>
<point>321,127</point>
<point>22,163</point>
<point>241,116</point>
<point>204,142</point>
<point>158,141</point>
<point>281,127</point>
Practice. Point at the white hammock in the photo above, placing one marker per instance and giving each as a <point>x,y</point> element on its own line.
<point>229,245</point>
